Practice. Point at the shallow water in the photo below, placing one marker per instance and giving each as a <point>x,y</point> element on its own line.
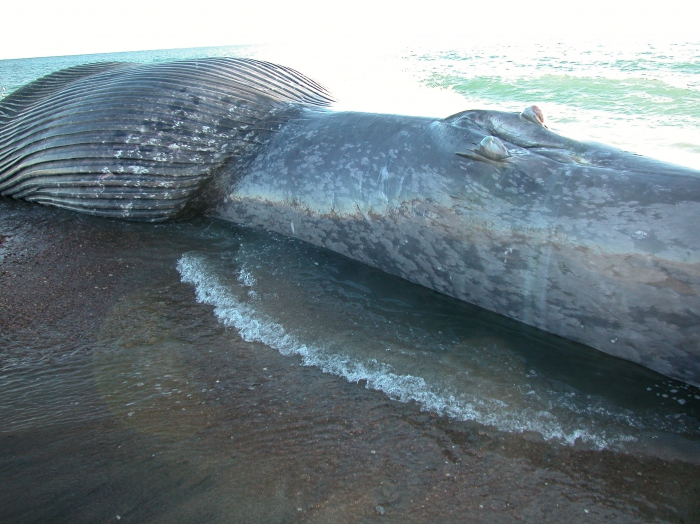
<point>353,321</point>
<point>415,345</point>
<point>201,371</point>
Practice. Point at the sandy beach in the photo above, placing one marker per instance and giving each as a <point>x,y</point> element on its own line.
<point>248,435</point>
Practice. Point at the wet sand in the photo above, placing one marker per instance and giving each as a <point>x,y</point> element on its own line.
<point>259,438</point>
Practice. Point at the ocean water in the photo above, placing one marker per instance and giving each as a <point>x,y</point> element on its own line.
<point>156,354</point>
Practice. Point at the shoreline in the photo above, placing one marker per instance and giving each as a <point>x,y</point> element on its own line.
<point>268,439</point>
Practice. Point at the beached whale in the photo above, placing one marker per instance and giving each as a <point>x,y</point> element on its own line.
<point>588,242</point>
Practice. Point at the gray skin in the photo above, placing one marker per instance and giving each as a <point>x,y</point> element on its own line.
<point>591,243</point>
<point>584,241</point>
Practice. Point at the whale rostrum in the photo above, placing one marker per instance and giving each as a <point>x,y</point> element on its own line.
<point>588,242</point>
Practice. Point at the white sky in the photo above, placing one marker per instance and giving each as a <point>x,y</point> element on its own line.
<point>33,28</point>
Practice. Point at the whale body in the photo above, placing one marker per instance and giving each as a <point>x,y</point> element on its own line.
<point>588,242</point>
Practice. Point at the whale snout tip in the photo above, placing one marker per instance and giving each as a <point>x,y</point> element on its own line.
<point>533,114</point>
<point>491,147</point>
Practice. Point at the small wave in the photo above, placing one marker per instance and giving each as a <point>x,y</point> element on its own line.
<point>253,326</point>
<point>623,96</point>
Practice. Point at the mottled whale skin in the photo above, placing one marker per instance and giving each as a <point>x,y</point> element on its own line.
<point>585,241</point>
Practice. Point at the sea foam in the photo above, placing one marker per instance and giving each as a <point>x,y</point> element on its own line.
<point>232,306</point>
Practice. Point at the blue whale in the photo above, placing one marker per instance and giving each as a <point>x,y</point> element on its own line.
<point>588,242</point>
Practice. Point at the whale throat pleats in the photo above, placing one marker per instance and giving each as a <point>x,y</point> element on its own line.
<point>141,141</point>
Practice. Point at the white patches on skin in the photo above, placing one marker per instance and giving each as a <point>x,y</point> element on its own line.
<point>138,170</point>
<point>506,253</point>
<point>118,154</point>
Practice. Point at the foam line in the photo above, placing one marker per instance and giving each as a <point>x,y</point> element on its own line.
<point>255,327</point>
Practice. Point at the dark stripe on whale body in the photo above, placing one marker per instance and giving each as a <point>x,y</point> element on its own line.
<point>581,240</point>
<point>138,141</point>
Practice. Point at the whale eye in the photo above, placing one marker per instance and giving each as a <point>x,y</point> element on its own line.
<point>533,114</point>
<point>491,147</point>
